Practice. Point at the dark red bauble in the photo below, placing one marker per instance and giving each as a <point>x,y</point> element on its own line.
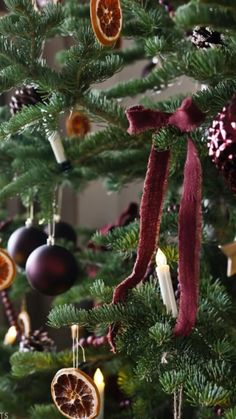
<point>51,270</point>
<point>23,241</point>
<point>64,231</point>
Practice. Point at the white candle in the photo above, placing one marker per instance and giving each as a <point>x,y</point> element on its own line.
<point>11,335</point>
<point>99,381</point>
<point>57,147</point>
<point>166,287</point>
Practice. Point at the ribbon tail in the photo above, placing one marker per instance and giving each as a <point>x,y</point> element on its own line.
<point>150,217</point>
<point>189,243</point>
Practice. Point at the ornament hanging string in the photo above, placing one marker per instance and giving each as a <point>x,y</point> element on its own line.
<point>178,401</point>
<point>52,222</point>
<point>30,218</point>
<point>76,345</point>
<point>186,119</point>
<point>75,348</point>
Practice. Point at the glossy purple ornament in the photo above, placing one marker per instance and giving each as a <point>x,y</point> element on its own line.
<point>51,269</point>
<point>23,241</point>
<point>64,231</point>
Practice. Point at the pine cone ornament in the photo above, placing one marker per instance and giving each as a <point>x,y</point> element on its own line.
<point>25,96</point>
<point>37,341</point>
<point>203,37</point>
<point>222,143</point>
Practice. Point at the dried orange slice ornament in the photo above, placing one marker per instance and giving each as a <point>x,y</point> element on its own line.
<point>77,125</point>
<point>7,270</point>
<point>106,18</point>
<point>75,394</point>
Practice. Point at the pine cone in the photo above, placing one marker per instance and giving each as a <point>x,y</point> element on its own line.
<point>203,37</point>
<point>222,143</point>
<point>25,96</point>
<point>37,341</point>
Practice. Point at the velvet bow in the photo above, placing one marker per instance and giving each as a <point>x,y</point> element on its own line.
<point>186,119</point>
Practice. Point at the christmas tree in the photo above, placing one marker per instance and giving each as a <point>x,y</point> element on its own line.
<point>148,299</point>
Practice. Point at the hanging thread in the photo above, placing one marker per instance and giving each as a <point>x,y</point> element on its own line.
<point>30,218</point>
<point>178,400</point>
<point>75,346</point>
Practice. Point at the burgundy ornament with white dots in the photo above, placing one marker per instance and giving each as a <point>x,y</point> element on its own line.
<point>222,143</point>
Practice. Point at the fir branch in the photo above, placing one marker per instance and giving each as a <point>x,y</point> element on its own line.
<point>10,52</point>
<point>51,19</point>
<point>120,239</point>
<point>154,46</point>
<point>44,411</point>
<point>161,333</point>
<point>212,99</point>
<point>106,109</point>
<point>195,13</point>
<point>11,76</point>
<point>230,413</point>
<point>28,179</point>
<point>221,3</point>
<point>146,21</point>
<point>67,315</point>
<point>25,363</point>
<point>158,79</point>
<point>131,54</point>
<point>32,114</point>
<point>200,391</point>
<point>89,289</point>
<point>210,66</point>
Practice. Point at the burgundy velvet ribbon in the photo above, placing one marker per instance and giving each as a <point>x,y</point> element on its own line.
<point>150,218</point>
<point>186,118</point>
<point>189,242</point>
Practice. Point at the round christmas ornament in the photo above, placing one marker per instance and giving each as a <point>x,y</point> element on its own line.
<point>37,341</point>
<point>75,394</point>
<point>7,270</point>
<point>106,19</point>
<point>63,231</point>
<point>222,143</point>
<point>23,241</point>
<point>24,96</point>
<point>204,38</point>
<point>77,125</point>
<point>51,269</point>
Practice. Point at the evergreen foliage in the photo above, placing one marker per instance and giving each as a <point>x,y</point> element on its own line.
<point>151,366</point>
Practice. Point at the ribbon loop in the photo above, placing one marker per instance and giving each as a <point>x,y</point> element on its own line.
<point>186,118</point>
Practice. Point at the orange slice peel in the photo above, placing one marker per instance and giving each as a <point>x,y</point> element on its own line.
<point>106,19</point>
<point>7,270</point>
<point>75,394</point>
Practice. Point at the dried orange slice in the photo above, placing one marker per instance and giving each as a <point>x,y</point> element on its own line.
<point>77,125</point>
<point>75,394</point>
<point>106,18</point>
<point>7,270</point>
